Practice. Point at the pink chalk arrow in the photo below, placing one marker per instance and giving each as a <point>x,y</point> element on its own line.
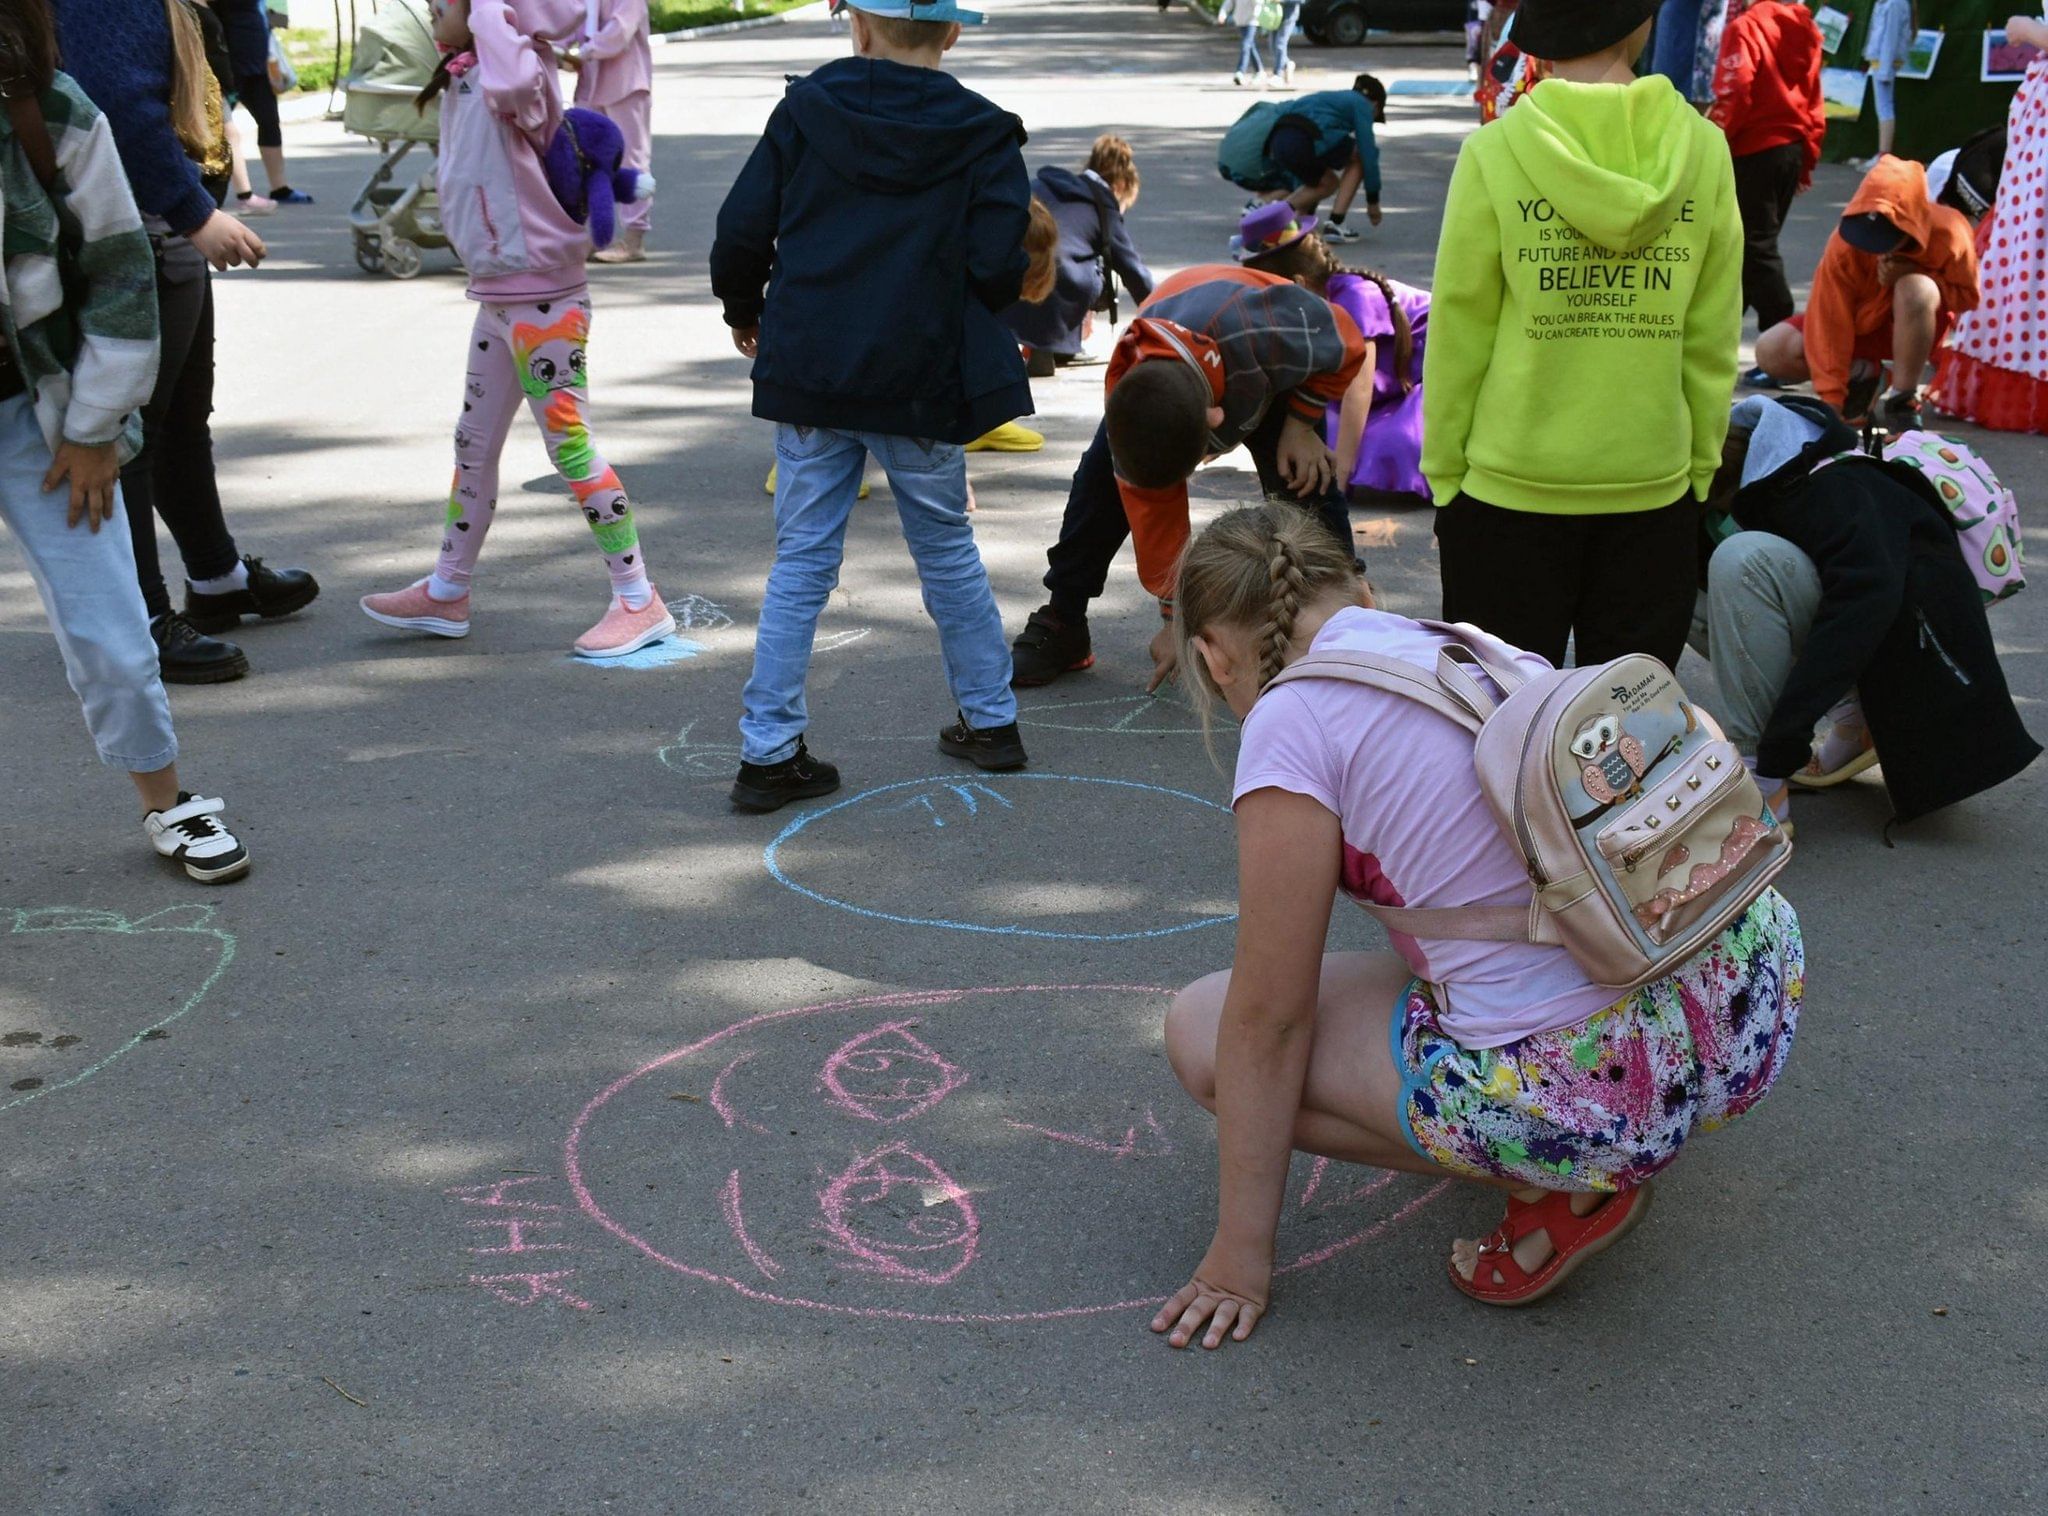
<point>1152,1144</point>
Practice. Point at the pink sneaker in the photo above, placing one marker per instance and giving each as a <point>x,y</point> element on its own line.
<point>412,609</point>
<point>621,631</point>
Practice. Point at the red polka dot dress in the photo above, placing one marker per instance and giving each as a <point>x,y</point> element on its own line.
<point>1994,370</point>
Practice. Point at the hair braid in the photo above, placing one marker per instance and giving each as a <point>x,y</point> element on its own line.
<point>1288,582</point>
<point>1404,332</point>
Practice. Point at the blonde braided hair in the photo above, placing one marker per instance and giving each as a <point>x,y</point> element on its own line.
<point>1287,586</point>
<point>1253,569</point>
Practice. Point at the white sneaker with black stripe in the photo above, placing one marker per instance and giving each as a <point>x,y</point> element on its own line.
<point>191,833</point>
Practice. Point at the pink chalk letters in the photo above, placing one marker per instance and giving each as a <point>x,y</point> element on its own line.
<point>524,1217</point>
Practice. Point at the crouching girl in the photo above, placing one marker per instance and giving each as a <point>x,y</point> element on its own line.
<point>1497,1062</point>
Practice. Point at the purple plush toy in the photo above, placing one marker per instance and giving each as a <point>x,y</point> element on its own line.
<point>585,169</point>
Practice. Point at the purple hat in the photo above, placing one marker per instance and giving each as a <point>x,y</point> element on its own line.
<point>1268,229</point>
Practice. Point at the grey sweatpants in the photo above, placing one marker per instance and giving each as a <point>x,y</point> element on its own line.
<point>1762,595</point>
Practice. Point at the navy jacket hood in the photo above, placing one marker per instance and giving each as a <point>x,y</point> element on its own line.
<point>1063,184</point>
<point>892,129</point>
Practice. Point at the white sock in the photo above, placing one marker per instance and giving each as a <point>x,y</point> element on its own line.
<point>236,578</point>
<point>445,589</point>
<point>635,593</point>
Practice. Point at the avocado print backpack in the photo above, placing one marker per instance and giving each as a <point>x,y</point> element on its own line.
<point>1985,514</point>
<point>1643,834</point>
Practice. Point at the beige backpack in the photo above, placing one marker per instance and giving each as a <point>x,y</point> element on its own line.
<point>1643,833</point>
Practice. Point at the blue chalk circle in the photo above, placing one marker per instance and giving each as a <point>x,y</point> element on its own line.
<point>656,655</point>
<point>950,806</point>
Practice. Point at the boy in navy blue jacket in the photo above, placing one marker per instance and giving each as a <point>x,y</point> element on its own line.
<point>884,211</point>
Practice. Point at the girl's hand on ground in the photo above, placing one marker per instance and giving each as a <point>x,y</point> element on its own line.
<point>746,339</point>
<point>93,472</point>
<point>1228,1296</point>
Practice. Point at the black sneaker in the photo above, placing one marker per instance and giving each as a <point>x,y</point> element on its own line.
<point>994,748</point>
<point>184,655</point>
<point>1898,413</point>
<point>1048,647</point>
<point>771,786</point>
<point>1863,387</point>
<point>270,593</point>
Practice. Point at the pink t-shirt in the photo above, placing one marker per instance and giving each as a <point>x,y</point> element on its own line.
<point>1417,831</point>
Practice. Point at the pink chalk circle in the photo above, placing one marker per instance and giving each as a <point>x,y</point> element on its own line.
<point>859,1161</point>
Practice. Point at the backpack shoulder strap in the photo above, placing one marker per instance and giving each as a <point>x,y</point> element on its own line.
<point>25,115</point>
<point>1394,675</point>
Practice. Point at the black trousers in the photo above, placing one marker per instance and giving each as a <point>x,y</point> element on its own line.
<point>172,476</point>
<point>261,102</point>
<point>1766,183</point>
<point>1095,526</point>
<point>1611,584</point>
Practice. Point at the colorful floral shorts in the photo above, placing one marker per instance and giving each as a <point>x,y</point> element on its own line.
<point>1607,1103</point>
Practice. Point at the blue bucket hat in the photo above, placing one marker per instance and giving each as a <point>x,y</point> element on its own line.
<point>919,10</point>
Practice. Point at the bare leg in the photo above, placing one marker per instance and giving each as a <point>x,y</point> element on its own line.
<point>1351,1100</point>
<point>238,170</point>
<point>158,788</point>
<point>1887,132</point>
<point>1916,307</point>
<point>273,168</point>
<point>1781,353</point>
<point>1309,196</point>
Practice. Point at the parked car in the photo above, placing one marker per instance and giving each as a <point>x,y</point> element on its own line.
<point>1343,23</point>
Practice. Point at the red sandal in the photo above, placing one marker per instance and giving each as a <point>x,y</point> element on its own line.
<point>1499,1280</point>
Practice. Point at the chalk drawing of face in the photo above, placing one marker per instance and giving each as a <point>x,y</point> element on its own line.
<point>126,986</point>
<point>910,1157</point>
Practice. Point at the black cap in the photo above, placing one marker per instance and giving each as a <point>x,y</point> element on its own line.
<point>1872,233</point>
<point>1554,29</point>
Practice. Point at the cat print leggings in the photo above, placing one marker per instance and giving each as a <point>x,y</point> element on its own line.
<point>533,352</point>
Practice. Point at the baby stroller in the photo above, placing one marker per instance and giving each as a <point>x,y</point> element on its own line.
<point>392,219</point>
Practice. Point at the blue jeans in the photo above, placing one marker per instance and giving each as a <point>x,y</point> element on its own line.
<point>1249,60</point>
<point>87,581</point>
<point>817,482</point>
<point>1677,43</point>
<point>1290,18</point>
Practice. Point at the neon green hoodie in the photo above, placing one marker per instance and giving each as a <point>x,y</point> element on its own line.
<point>1587,314</point>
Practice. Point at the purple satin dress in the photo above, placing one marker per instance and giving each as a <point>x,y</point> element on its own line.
<point>1391,458</point>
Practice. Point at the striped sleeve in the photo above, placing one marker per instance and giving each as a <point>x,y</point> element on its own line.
<point>1335,351</point>
<point>115,368</point>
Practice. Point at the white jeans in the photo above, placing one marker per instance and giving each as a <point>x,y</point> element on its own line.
<point>87,581</point>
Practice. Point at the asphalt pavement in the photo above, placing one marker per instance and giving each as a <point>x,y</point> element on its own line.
<point>529,1133</point>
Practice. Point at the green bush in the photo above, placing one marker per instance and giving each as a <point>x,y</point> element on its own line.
<point>311,52</point>
<point>681,15</point>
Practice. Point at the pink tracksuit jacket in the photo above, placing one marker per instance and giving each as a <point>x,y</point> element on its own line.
<point>513,235</point>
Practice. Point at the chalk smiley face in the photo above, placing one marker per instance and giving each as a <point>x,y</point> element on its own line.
<point>877,1157</point>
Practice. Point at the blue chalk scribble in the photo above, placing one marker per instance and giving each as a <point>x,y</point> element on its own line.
<point>971,796</point>
<point>656,655</point>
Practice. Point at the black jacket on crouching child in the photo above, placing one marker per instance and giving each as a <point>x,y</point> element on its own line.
<point>1092,230</point>
<point>884,211</point>
<point>1901,620</point>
